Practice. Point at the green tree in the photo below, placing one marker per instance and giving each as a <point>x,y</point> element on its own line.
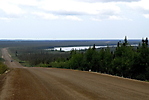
<point>141,64</point>
<point>76,61</point>
<point>101,60</point>
<point>88,58</point>
<point>124,59</point>
<point>108,57</point>
<point>95,61</point>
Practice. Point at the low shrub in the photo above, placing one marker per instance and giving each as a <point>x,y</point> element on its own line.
<point>3,68</point>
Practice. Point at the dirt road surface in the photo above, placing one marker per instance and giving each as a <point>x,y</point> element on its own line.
<point>23,83</point>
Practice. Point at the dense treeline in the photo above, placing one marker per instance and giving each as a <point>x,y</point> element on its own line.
<point>126,61</point>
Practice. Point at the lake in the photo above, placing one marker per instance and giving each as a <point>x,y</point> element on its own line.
<point>82,47</point>
<point>77,48</point>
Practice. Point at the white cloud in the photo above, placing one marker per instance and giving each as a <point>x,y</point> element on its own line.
<point>73,18</point>
<point>6,19</point>
<point>141,4</point>
<point>10,11</point>
<point>21,2</point>
<point>141,7</point>
<point>96,19</point>
<point>116,18</point>
<point>45,15</point>
<point>49,16</point>
<point>63,9</point>
<point>76,7</point>
<point>92,1</point>
<point>146,15</point>
<point>112,17</point>
<point>9,8</point>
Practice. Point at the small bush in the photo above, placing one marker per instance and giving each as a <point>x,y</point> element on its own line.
<point>60,64</point>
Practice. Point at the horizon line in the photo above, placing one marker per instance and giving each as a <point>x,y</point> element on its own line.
<point>69,39</point>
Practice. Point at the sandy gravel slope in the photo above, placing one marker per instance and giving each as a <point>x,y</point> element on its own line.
<point>63,84</point>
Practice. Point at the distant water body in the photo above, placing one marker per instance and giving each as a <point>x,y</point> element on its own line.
<point>82,47</point>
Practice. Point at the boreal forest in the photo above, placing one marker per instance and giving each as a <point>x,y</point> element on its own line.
<point>125,60</point>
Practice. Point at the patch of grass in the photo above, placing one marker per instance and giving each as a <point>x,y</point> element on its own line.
<point>25,64</point>
<point>3,68</point>
<point>1,59</point>
<point>60,64</point>
<point>147,81</point>
<point>44,65</point>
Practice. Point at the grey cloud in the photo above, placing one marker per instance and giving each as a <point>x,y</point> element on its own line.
<point>100,12</point>
<point>141,10</point>
<point>63,12</point>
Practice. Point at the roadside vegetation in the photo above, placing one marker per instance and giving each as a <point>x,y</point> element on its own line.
<point>124,60</point>
<point>3,67</point>
<point>37,57</point>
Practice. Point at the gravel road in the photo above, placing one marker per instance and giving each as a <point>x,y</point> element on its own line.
<point>34,83</point>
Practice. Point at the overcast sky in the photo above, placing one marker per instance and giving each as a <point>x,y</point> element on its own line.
<point>74,19</point>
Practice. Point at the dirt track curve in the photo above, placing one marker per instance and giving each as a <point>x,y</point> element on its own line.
<point>34,83</point>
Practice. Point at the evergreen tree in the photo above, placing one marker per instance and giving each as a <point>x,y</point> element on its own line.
<point>95,62</point>
<point>101,60</point>
<point>94,47</point>
<point>125,41</point>
<point>146,41</point>
<point>123,59</point>
<point>16,53</point>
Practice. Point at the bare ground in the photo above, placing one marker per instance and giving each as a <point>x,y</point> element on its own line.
<point>23,83</point>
